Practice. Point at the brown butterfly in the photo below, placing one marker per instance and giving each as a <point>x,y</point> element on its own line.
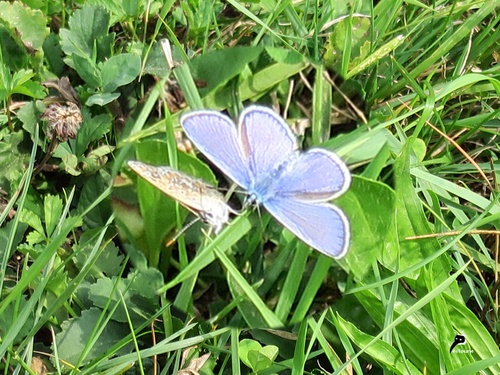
<point>196,195</point>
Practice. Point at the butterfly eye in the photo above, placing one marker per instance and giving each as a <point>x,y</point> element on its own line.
<point>212,218</point>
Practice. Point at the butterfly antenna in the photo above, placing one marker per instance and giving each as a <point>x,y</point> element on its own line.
<point>230,192</point>
<point>181,231</point>
<point>257,208</point>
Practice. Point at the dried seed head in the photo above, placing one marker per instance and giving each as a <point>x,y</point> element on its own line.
<point>64,120</point>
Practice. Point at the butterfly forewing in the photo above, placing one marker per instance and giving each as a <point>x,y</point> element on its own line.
<point>267,141</point>
<point>216,137</point>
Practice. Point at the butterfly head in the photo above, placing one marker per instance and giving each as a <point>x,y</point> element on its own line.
<point>215,219</point>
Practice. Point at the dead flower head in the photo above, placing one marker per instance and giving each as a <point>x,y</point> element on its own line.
<point>64,120</point>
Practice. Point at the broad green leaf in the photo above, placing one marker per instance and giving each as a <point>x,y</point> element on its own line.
<point>12,159</point>
<point>77,334</point>
<point>93,188</point>
<point>258,360</point>
<point>30,89</point>
<point>22,83</point>
<point>30,24</point>
<point>369,206</point>
<point>410,218</point>
<point>245,347</point>
<point>86,26</point>
<point>10,316</point>
<point>95,159</point>
<point>57,284</point>
<point>257,84</point>
<point>102,99</point>
<point>108,263</point>
<point>119,70</point>
<point>53,207</point>
<point>14,56</point>
<point>216,68</point>
<point>29,115</point>
<point>156,64</point>
<point>346,42</point>
<point>270,351</point>
<point>284,55</point>
<point>138,291</point>
<point>33,238</point>
<point>92,129</point>
<point>122,10</point>
<point>52,52</point>
<point>87,70</point>
<point>5,233</point>
<point>32,220</point>
<point>70,163</point>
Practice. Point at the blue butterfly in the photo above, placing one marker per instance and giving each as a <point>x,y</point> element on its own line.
<point>262,155</point>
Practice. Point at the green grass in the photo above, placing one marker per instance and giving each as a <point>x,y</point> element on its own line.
<point>406,93</point>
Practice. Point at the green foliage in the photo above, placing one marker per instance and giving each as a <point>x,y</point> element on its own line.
<point>89,50</point>
<point>52,211</point>
<point>212,67</point>
<point>78,156</point>
<point>255,356</point>
<point>76,335</point>
<point>12,158</point>
<point>95,271</point>
<point>22,32</point>
<point>18,83</point>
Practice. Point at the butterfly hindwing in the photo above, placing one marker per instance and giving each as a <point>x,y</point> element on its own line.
<point>320,225</point>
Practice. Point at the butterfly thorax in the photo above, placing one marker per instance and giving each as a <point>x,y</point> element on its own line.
<point>264,188</point>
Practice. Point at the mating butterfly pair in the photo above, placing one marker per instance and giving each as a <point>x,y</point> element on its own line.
<point>262,156</point>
